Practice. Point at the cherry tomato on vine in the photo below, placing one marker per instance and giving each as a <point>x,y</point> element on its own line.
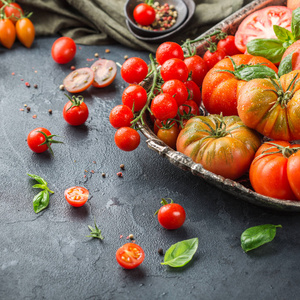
<point>13,11</point>
<point>176,89</point>
<point>79,80</point>
<point>228,45</point>
<point>134,70</point>
<point>130,255</point>
<point>134,96</point>
<point>211,58</point>
<point>194,91</point>
<point>189,107</point>
<point>121,116</point>
<point>144,14</point>
<point>169,135</point>
<point>25,32</point>
<point>174,68</point>
<point>127,139</point>
<point>7,33</point>
<point>197,66</point>
<point>168,50</point>
<point>164,107</point>
<point>105,72</point>
<point>75,111</point>
<point>63,50</point>
<point>76,195</point>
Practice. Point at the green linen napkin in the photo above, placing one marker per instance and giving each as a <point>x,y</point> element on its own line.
<point>99,22</point>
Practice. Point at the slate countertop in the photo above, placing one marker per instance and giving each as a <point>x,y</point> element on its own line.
<point>48,256</point>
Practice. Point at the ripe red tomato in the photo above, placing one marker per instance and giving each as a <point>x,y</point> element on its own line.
<point>79,80</point>
<point>75,111</point>
<point>189,107</point>
<point>7,33</point>
<point>211,58</point>
<point>121,116</point>
<point>164,107</point>
<point>275,171</point>
<point>174,68</point>
<point>168,50</point>
<point>127,139</point>
<point>134,70</point>
<point>295,49</point>
<point>176,89</point>
<point>13,11</point>
<point>259,25</point>
<point>76,195</point>
<point>194,91</point>
<point>197,66</point>
<point>25,32</point>
<point>293,4</point>
<point>134,96</point>
<point>144,14</point>
<point>169,136</point>
<point>130,255</point>
<point>171,216</point>
<point>63,50</point>
<point>105,72</point>
<point>228,45</point>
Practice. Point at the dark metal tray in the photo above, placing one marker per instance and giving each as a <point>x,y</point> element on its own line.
<point>240,188</point>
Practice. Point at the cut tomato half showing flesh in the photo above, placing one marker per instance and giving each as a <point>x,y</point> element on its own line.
<point>130,255</point>
<point>105,72</point>
<point>259,25</point>
<point>79,80</point>
<point>76,195</point>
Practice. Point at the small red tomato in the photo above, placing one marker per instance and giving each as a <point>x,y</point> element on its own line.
<point>168,50</point>
<point>79,80</point>
<point>211,58</point>
<point>144,14</point>
<point>189,107</point>
<point>25,32</point>
<point>121,116</point>
<point>76,195</point>
<point>130,255</point>
<point>169,135</point>
<point>105,72</point>
<point>176,89</point>
<point>134,96</point>
<point>127,139</point>
<point>194,91</point>
<point>13,11</point>
<point>197,66</point>
<point>171,216</point>
<point>164,107</point>
<point>63,50</point>
<point>174,68</point>
<point>75,111</point>
<point>134,70</point>
<point>228,46</point>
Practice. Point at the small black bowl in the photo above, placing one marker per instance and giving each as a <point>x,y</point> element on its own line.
<point>180,6</point>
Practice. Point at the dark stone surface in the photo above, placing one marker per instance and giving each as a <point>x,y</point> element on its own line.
<point>48,256</point>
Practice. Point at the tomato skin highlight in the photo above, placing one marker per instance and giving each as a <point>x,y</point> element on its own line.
<point>25,32</point>
<point>79,80</point>
<point>35,139</point>
<point>171,216</point>
<point>130,256</point>
<point>7,33</point>
<point>63,50</point>
<point>105,72</point>
<point>76,115</point>
<point>76,196</point>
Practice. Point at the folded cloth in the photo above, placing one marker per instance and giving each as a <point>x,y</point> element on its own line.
<point>99,22</point>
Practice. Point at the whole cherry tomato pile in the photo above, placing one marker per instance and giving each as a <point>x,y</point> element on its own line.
<point>218,109</point>
<point>13,23</point>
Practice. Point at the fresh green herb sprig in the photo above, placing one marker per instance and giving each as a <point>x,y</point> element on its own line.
<point>95,232</point>
<point>41,200</point>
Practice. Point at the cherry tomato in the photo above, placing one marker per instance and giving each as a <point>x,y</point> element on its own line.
<point>121,116</point>
<point>259,25</point>
<point>197,66</point>
<point>177,89</point>
<point>168,50</point>
<point>63,50</point>
<point>76,195</point>
<point>211,58</point>
<point>7,33</point>
<point>79,80</point>
<point>169,136</point>
<point>189,107</point>
<point>25,32</point>
<point>164,107</point>
<point>171,216</point>
<point>228,45</point>
<point>134,70</point>
<point>75,111</point>
<point>127,139</point>
<point>130,255</point>
<point>144,14</point>
<point>194,91</point>
<point>105,72</point>
<point>13,11</point>
<point>174,68</point>
<point>134,96</point>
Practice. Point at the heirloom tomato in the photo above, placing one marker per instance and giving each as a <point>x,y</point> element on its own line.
<point>295,49</point>
<point>222,145</point>
<point>272,107</point>
<point>275,170</point>
<point>220,88</point>
<point>130,255</point>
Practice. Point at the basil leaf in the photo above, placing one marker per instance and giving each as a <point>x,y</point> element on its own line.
<point>257,236</point>
<point>250,72</point>
<point>271,49</point>
<point>181,253</point>
<point>38,178</point>
<point>283,34</point>
<point>296,23</point>
<point>286,65</point>
<point>41,201</point>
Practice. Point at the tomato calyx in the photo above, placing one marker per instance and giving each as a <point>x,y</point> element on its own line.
<point>76,101</point>
<point>164,202</point>
<point>48,140</point>
<point>212,48</point>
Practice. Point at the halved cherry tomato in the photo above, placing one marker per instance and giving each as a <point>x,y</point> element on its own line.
<point>76,195</point>
<point>25,32</point>
<point>130,255</point>
<point>63,50</point>
<point>13,11</point>
<point>105,72</point>
<point>7,33</point>
<point>79,80</point>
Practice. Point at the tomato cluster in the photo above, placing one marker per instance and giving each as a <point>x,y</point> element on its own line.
<point>13,23</point>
